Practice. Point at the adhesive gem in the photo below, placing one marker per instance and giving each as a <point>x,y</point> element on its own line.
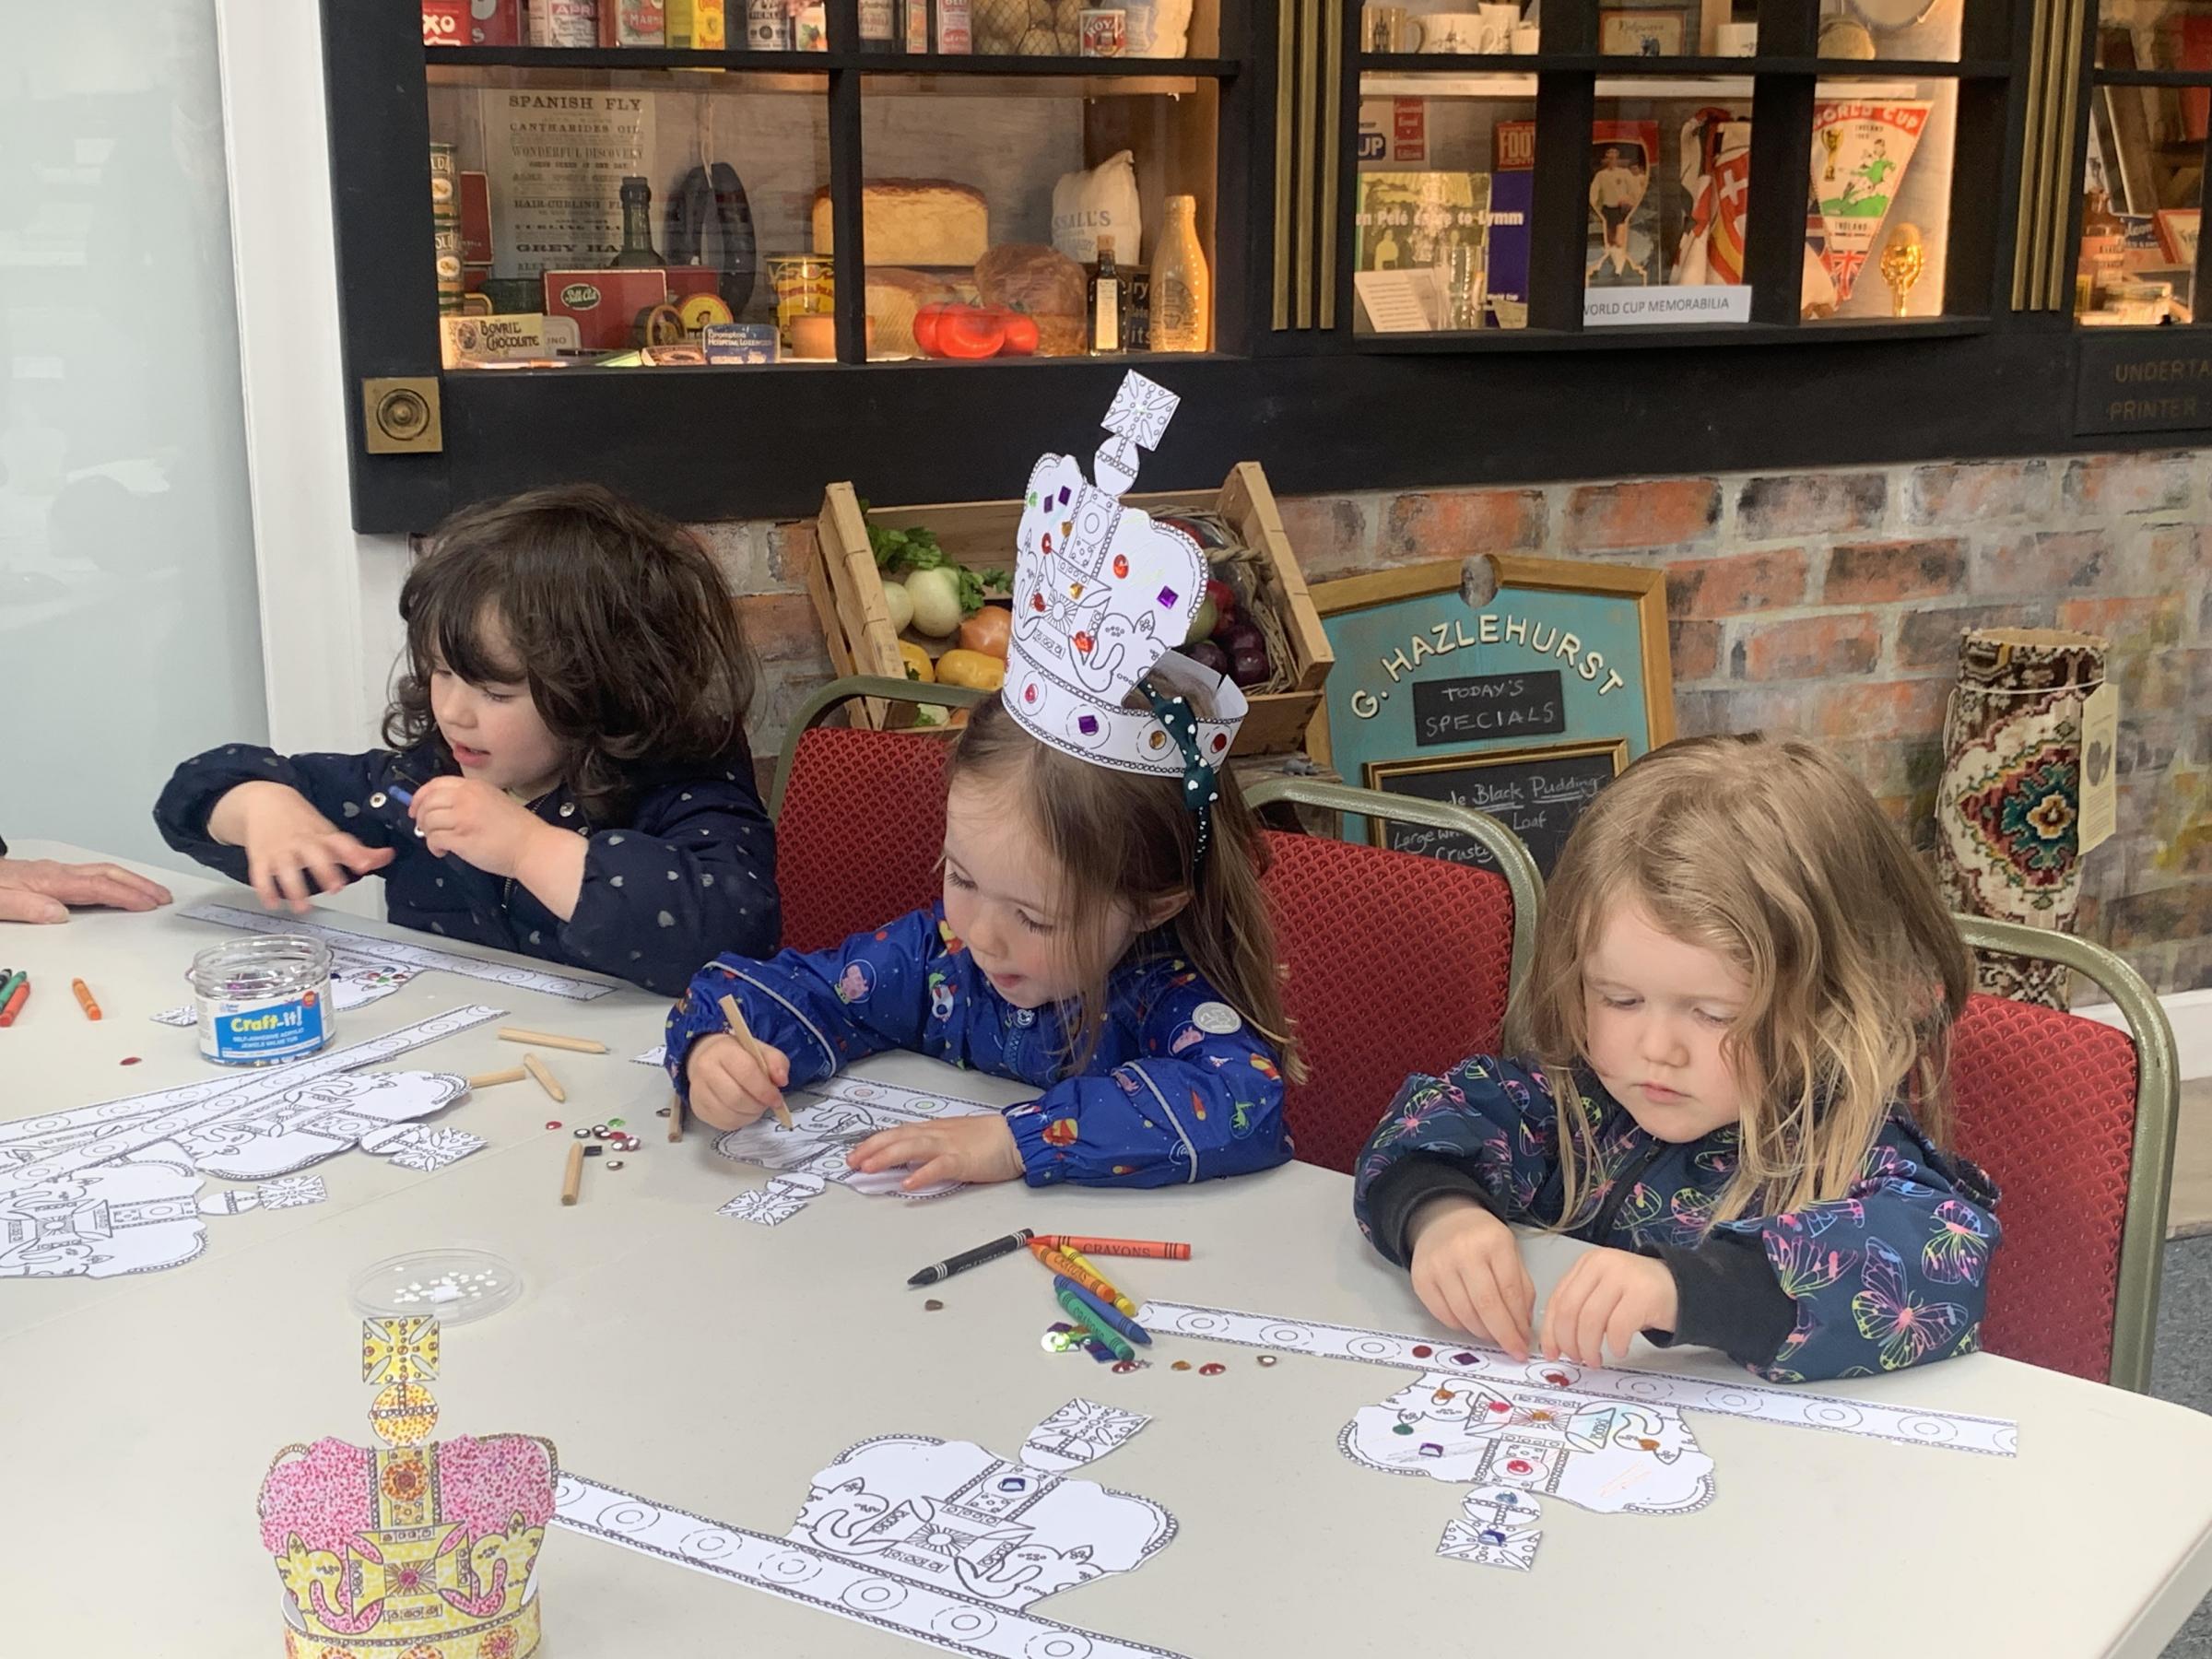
<point>1421,1350</point>
<point>931,1306</point>
<point>1124,1367</point>
<point>616,1122</point>
<point>583,1135</point>
<point>1212,1369</point>
<point>552,1123</point>
<point>128,1060</point>
<point>1430,1449</point>
<point>1181,1365</point>
<point>1269,1359</point>
<point>663,1112</point>
<point>1401,1429</point>
<point>1463,1358</point>
<point>598,1131</point>
<point>613,1164</point>
<point>1519,1465</point>
<point>593,1150</point>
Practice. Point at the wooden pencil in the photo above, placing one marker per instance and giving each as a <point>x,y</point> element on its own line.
<point>573,1181</point>
<point>575,1045</point>
<point>487,1079</point>
<point>744,1034</point>
<point>675,1117</point>
<point>544,1078</point>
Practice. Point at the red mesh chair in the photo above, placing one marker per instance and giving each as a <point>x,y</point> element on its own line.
<point>1369,1007</point>
<point>2075,1123</point>
<point>860,815</point>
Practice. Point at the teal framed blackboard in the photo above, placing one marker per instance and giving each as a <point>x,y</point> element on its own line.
<point>1518,687</point>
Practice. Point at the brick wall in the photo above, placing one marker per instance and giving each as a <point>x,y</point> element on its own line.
<point>1827,605</point>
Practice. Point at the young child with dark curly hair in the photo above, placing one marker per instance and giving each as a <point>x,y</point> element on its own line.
<point>568,775</point>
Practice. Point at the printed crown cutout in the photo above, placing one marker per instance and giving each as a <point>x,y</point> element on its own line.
<point>418,1545</point>
<point>1101,595</point>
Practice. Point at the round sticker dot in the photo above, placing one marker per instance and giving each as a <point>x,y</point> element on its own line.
<point>1421,1350</point>
<point>1215,1016</point>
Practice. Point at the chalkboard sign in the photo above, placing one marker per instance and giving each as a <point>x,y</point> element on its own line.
<point>1537,794</point>
<point>1484,707</point>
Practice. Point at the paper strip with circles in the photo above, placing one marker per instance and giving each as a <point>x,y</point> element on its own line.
<point>1797,1408</point>
<point>828,1583</point>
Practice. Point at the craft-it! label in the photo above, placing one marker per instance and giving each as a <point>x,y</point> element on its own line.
<point>250,1030</point>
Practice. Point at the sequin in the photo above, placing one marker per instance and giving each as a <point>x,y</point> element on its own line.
<point>1213,1369</point>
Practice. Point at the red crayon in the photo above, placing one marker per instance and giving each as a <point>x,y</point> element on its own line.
<point>1155,1249</point>
<point>15,1002</point>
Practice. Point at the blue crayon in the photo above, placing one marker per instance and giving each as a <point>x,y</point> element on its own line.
<point>406,797</point>
<point>1111,1317</point>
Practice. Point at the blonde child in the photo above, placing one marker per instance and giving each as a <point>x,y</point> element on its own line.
<point>568,774</point>
<point>1101,936</point>
<point>1743,982</point>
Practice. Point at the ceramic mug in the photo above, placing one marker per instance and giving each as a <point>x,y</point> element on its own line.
<point>1453,32</point>
<point>1525,39</point>
<point>1497,21</point>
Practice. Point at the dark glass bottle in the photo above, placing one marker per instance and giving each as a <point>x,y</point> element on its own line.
<point>1106,303</point>
<point>638,253</point>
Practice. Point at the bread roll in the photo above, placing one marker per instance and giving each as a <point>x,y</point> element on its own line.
<point>1046,284</point>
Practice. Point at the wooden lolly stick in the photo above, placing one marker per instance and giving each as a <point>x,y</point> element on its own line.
<point>744,1034</point>
<point>544,1078</point>
<point>573,1181</point>
<point>675,1117</point>
<point>575,1045</point>
<point>487,1079</point>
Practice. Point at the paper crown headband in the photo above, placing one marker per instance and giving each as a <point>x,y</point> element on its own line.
<point>1101,595</point>
<point>418,1546</point>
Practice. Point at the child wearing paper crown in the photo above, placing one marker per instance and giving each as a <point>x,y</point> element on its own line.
<point>568,774</point>
<point>1103,935</point>
<point>1743,986</point>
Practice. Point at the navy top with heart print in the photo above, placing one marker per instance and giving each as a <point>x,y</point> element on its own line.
<point>690,872</point>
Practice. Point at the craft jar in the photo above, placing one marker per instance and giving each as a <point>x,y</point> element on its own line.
<point>263,1000</point>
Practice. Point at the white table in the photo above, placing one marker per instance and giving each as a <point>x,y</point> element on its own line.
<point>715,1366</point>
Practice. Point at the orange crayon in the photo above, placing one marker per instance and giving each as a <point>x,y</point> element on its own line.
<point>84,998</point>
<point>1082,1276</point>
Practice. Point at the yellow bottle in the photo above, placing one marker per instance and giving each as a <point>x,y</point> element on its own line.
<point>1183,291</point>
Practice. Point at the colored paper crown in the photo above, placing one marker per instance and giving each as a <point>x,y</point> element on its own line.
<point>420,1546</point>
<point>1101,595</point>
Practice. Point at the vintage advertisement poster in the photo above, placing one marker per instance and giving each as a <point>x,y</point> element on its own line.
<point>557,160</point>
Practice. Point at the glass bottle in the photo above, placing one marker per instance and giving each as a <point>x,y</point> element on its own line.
<point>880,26</point>
<point>638,253</point>
<point>1106,303</point>
<point>1183,290</point>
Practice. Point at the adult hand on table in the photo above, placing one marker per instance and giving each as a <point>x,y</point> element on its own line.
<point>41,890</point>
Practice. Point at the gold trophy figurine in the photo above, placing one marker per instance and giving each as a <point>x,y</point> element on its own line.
<point>1831,140</point>
<point>1904,257</point>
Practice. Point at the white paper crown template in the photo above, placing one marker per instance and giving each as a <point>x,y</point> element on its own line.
<point>1101,593</point>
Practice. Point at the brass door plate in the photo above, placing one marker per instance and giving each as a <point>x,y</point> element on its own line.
<point>399,416</point>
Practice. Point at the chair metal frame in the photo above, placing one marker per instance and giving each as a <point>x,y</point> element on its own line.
<point>2158,1111</point>
<point>816,709</point>
<point>1522,877</point>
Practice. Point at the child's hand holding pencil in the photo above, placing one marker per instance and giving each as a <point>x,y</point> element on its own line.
<point>736,1076</point>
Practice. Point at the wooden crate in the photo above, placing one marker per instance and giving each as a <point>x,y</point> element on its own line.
<point>848,591</point>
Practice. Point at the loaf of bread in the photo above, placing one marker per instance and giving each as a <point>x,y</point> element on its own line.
<point>1043,282</point>
<point>894,296</point>
<point>914,222</point>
